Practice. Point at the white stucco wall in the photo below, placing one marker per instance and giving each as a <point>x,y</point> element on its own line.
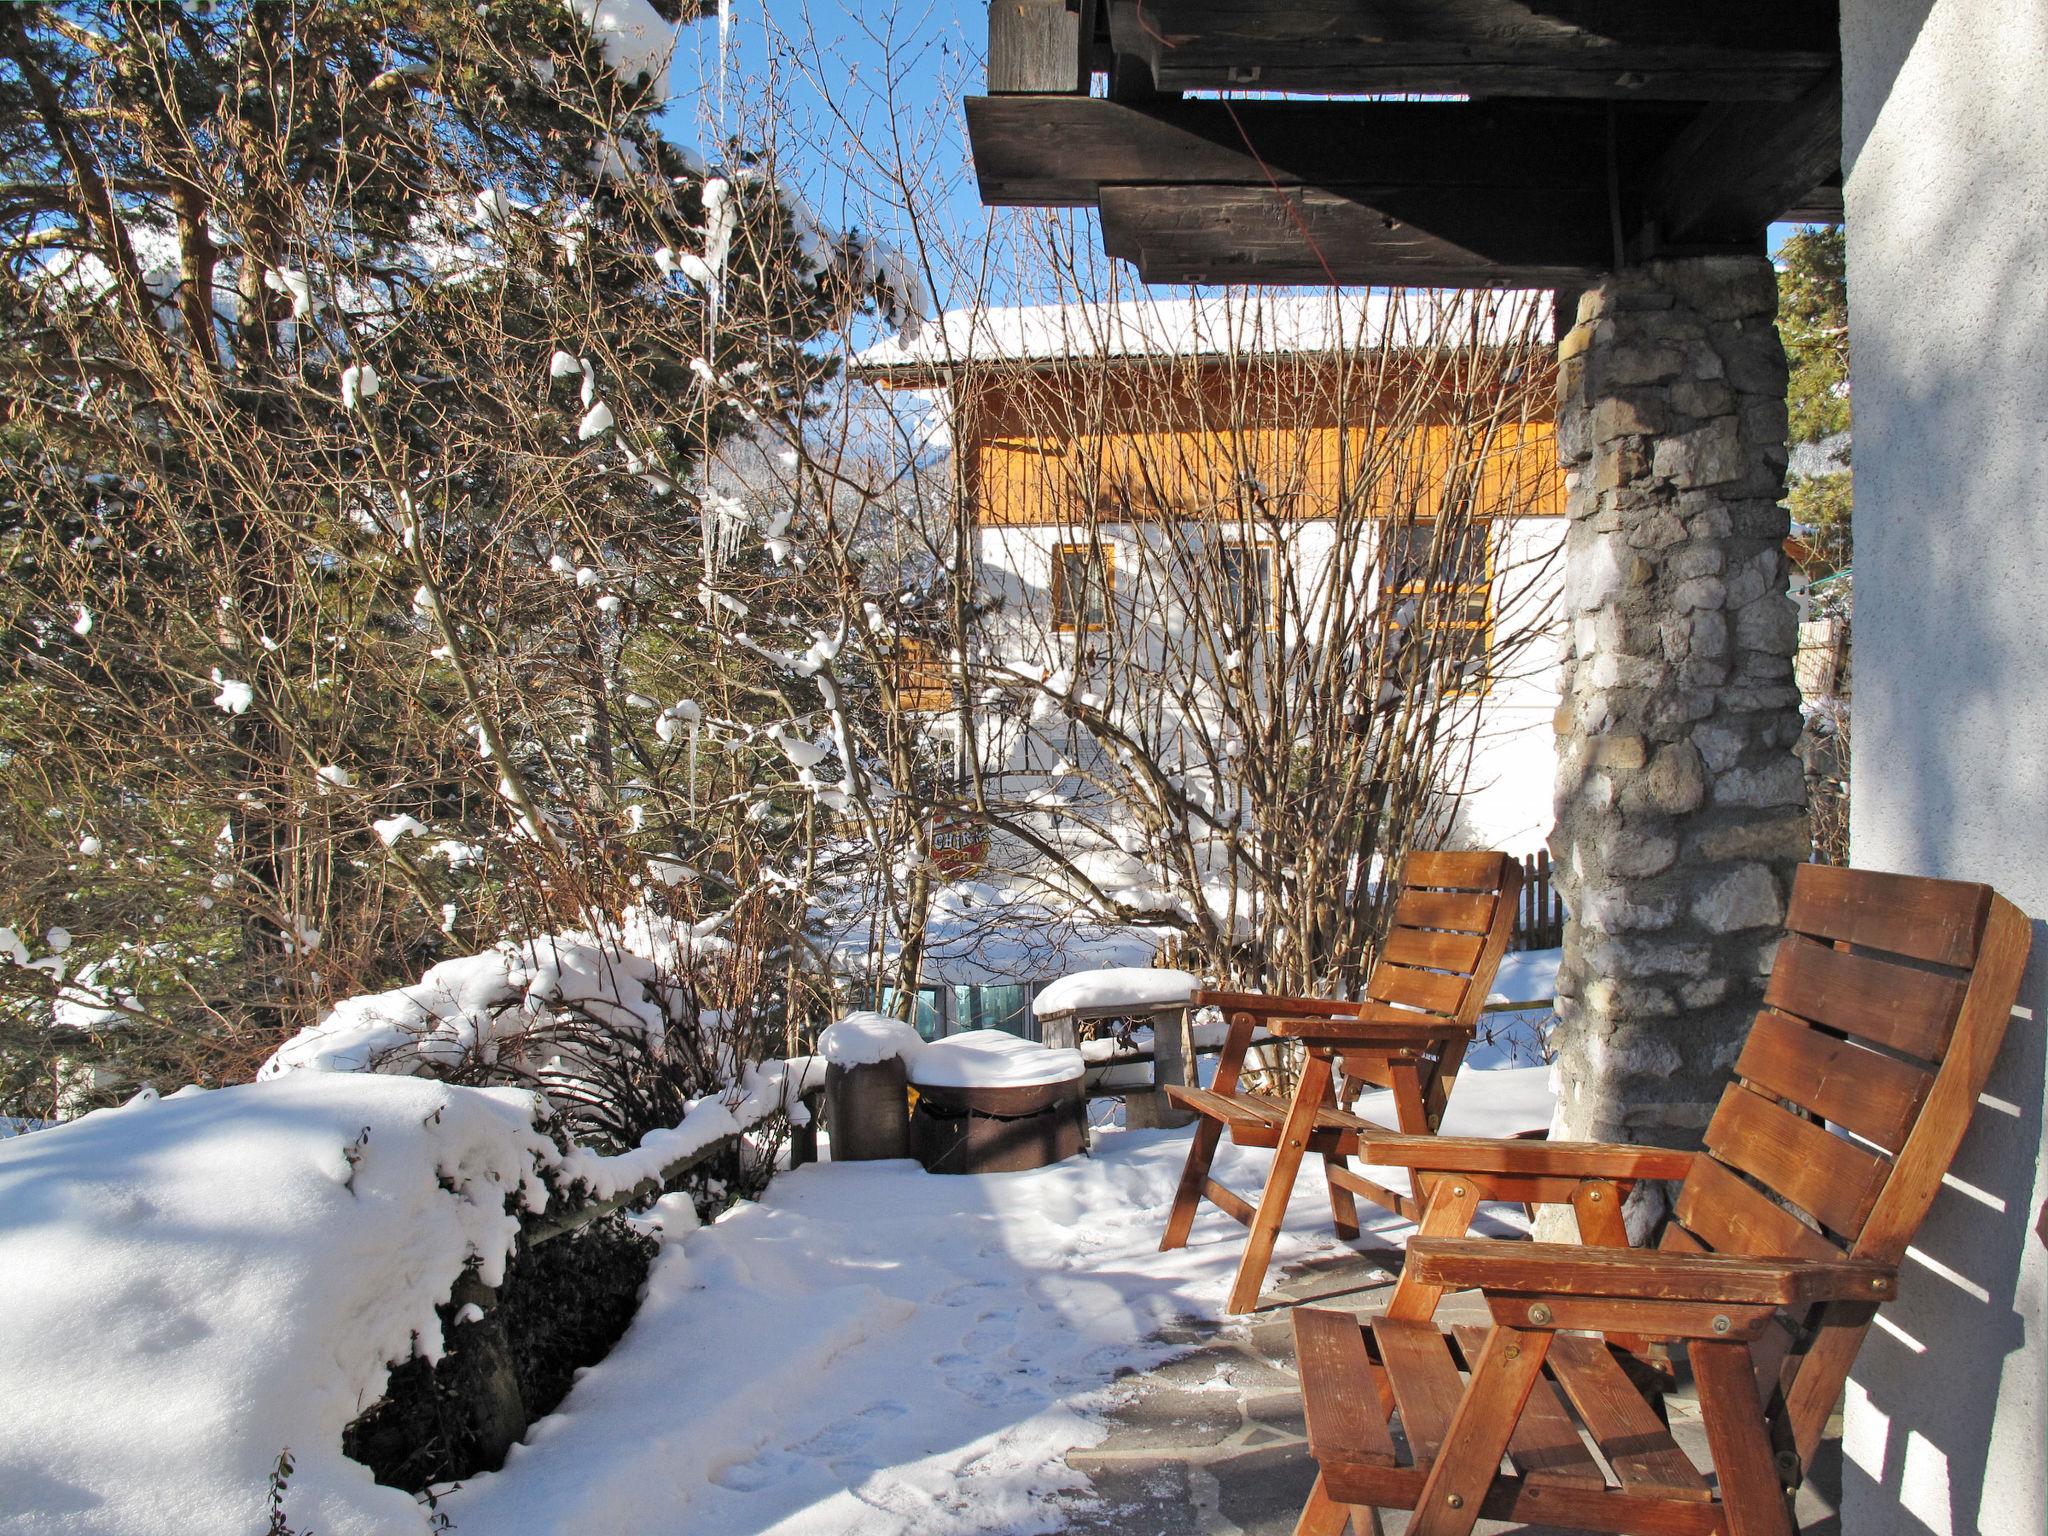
<point>1508,801</point>
<point>1946,142</point>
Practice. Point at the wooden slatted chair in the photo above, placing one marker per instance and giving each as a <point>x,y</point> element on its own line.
<point>1451,925</point>
<point>1884,1010</point>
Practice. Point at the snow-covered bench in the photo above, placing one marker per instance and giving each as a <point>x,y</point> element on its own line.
<point>1073,1003</point>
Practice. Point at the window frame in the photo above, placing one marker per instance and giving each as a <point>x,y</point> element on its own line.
<point>1263,552</point>
<point>1479,682</point>
<point>1065,622</point>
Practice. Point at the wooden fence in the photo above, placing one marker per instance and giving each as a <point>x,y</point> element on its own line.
<point>1539,924</point>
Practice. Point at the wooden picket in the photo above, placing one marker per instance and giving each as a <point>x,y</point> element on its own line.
<point>1539,922</point>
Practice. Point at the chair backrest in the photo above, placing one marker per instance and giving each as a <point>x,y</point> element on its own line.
<point>1451,925</point>
<point>1886,1005</point>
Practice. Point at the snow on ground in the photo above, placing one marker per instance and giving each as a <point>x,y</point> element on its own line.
<point>195,1284</point>
<point>874,1351</point>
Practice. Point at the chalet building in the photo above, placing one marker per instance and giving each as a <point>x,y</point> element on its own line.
<point>1136,468</point>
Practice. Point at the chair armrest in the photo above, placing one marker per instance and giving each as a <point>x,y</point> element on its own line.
<point>1637,1274</point>
<point>1376,1031</point>
<point>1266,1004</point>
<point>1554,1159</point>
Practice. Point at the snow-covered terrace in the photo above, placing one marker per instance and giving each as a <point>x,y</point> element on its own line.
<point>201,1282</point>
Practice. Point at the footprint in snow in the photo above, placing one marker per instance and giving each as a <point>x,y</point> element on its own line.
<point>849,1434</point>
<point>755,1473</point>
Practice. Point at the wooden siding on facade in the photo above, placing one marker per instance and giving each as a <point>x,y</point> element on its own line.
<point>1130,443</point>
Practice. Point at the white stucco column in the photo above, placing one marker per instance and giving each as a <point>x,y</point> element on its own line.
<point>1946,143</point>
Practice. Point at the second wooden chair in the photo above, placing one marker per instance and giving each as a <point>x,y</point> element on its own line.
<point>1451,925</point>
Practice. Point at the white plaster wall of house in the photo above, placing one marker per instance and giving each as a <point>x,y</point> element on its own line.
<point>1513,758</point>
<point>1946,144</point>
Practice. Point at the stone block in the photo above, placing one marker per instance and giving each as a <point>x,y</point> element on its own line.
<point>1628,957</point>
<point>1681,707</point>
<point>1609,669</point>
<point>1758,370</point>
<point>1674,638</point>
<point>1611,910</point>
<point>1632,855</point>
<point>1619,752</point>
<point>1594,572</point>
<point>1703,993</point>
<point>1765,786</point>
<point>1720,745</point>
<point>1701,397</point>
<point>1708,455</point>
<point>1699,592</point>
<point>1625,462</point>
<point>1771,625</point>
<point>1629,363</point>
<point>1702,672</point>
<point>1677,779</point>
<point>1778,837</point>
<point>1765,420</point>
<point>1755,576</point>
<point>1576,340</point>
<point>1619,416</point>
<point>1746,897</point>
<point>1609,997</point>
<point>1709,633</point>
<point>1722,288</point>
<point>1657,532</point>
<point>1708,520</point>
<point>1701,558</point>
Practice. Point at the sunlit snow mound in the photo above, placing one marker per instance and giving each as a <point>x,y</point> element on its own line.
<point>193,1285</point>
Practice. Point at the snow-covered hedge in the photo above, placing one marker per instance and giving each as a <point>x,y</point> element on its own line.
<point>198,1283</point>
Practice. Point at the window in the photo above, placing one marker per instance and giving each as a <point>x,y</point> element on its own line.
<point>918,673</point>
<point>1083,577</point>
<point>1245,577</point>
<point>1435,583</point>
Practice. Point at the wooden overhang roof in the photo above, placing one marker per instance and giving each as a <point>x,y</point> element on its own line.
<point>1557,139</point>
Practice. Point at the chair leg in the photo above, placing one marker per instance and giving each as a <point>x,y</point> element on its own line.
<point>1502,1379</point>
<point>1447,1212</point>
<point>1294,1138</point>
<point>1193,1175</point>
<point>1343,1204</point>
<point>1324,1516</point>
<point>1753,1501</point>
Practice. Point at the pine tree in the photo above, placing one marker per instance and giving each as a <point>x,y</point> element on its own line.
<point>1813,318</point>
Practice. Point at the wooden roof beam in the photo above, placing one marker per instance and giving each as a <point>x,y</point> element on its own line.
<point>1040,46</point>
<point>1737,167</point>
<point>1235,234</point>
<point>1058,151</point>
<point>1613,49</point>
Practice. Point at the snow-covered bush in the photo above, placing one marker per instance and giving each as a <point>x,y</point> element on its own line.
<point>356,506</point>
<point>200,1283</point>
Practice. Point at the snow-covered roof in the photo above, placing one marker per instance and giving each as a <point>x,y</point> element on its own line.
<point>1213,325</point>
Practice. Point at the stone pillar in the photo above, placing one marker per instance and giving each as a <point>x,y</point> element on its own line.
<point>1680,804</point>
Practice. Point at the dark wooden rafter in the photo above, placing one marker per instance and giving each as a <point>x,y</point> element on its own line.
<point>1770,50</point>
<point>1047,151</point>
<point>1590,133</point>
<point>1040,45</point>
<point>1737,167</point>
<point>1312,235</point>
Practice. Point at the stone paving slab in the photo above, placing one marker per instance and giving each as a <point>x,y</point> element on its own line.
<point>1212,1442</point>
